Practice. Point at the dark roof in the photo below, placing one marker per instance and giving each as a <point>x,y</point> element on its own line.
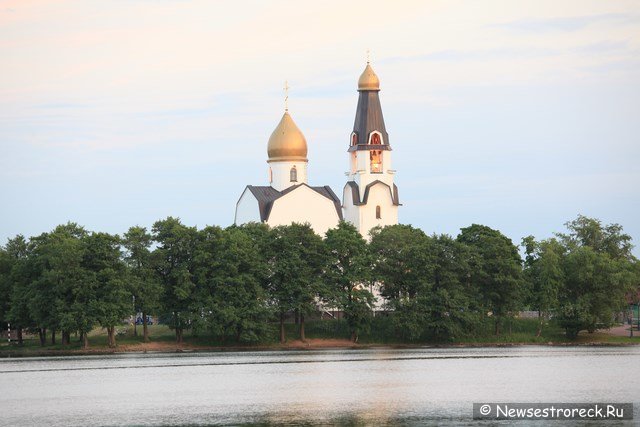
<point>369,118</point>
<point>266,195</point>
<point>355,193</point>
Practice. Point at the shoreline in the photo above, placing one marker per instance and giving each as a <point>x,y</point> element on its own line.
<point>296,345</point>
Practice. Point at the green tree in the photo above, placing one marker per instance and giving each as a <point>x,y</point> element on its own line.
<point>229,294</point>
<point>609,239</point>
<point>586,300</point>
<point>105,275</point>
<point>55,280</point>
<point>424,279</point>
<point>401,264</point>
<point>299,257</point>
<point>143,281</point>
<point>496,272</point>
<point>173,261</point>
<point>447,300</point>
<point>6,265</point>
<point>599,270</point>
<point>349,274</point>
<point>399,257</point>
<point>6,285</point>
<point>261,238</point>
<point>18,279</point>
<point>544,274</point>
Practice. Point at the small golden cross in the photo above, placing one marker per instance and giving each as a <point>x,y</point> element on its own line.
<point>286,96</point>
<point>368,56</point>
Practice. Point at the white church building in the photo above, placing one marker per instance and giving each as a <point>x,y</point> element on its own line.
<point>369,198</point>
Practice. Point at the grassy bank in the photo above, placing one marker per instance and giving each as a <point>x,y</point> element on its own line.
<point>518,331</point>
<point>332,332</point>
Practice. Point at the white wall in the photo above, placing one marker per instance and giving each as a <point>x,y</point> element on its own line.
<point>350,212</point>
<point>364,216</point>
<point>304,205</point>
<point>281,174</point>
<point>379,195</point>
<point>247,209</point>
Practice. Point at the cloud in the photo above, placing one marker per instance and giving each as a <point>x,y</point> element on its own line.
<point>603,47</point>
<point>566,23</point>
<point>453,55</point>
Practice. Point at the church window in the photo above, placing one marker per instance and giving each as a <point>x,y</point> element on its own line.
<point>293,174</point>
<point>270,176</point>
<point>354,138</point>
<point>375,138</point>
<point>378,214</point>
<point>376,161</point>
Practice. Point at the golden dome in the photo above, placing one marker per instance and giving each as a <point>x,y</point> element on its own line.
<point>368,79</point>
<point>287,142</point>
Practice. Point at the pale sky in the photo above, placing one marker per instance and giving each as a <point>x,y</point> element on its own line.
<point>519,115</point>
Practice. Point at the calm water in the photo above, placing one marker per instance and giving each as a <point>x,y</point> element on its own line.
<point>386,386</point>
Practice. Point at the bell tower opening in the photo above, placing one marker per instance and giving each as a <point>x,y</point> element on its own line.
<point>375,138</point>
<point>376,161</point>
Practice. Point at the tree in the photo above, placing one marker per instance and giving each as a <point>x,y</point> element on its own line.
<point>261,237</point>
<point>229,295</point>
<point>143,281</point>
<point>609,239</point>
<point>58,294</point>
<point>586,300</point>
<point>17,285</point>
<point>399,257</point>
<point>173,261</point>
<point>6,265</point>
<point>496,272</point>
<point>401,263</point>
<point>348,273</point>
<point>545,276</point>
<point>299,257</point>
<point>424,279</point>
<point>105,273</point>
<point>599,270</point>
<point>447,299</point>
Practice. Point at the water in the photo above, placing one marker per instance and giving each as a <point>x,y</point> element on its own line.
<point>374,386</point>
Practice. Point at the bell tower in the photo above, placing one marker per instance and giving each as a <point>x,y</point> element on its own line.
<point>370,197</point>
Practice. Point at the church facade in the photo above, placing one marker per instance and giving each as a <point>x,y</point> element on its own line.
<point>370,196</point>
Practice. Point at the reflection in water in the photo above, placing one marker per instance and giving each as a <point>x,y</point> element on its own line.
<point>350,387</point>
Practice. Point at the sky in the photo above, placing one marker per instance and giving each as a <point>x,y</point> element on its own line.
<point>516,115</point>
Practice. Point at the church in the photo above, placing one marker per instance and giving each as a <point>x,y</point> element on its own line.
<point>369,197</point>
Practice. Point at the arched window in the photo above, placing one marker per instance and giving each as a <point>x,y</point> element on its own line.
<point>354,138</point>
<point>293,174</point>
<point>270,176</point>
<point>378,214</point>
<point>375,138</point>
<point>376,161</point>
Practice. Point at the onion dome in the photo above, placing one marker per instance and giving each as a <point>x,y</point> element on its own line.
<point>287,143</point>
<point>368,79</point>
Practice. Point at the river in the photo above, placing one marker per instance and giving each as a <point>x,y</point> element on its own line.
<point>372,386</point>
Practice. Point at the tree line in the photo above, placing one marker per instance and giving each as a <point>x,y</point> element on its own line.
<point>242,283</point>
